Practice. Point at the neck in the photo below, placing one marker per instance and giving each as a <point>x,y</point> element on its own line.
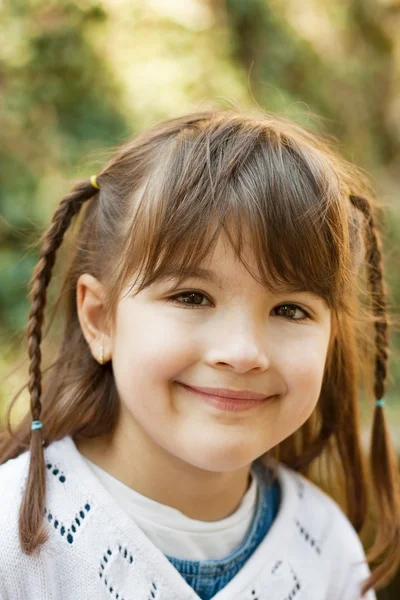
<point>198,494</point>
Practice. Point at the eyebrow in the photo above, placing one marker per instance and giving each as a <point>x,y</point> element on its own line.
<point>221,281</point>
<point>172,272</point>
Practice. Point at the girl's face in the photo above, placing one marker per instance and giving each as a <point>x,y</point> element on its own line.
<point>236,336</point>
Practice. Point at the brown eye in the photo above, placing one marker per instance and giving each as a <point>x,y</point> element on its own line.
<point>195,298</point>
<point>291,309</point>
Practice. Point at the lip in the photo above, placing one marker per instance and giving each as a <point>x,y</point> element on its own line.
<point>226,393</point>
<point>224,403</point>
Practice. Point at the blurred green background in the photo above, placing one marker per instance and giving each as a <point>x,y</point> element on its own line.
<point>77,78</point>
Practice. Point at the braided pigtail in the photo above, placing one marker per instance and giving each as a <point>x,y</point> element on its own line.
<point>383,460</point>
<point>31,532</point>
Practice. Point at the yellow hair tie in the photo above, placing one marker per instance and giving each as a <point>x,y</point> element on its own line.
<point>94,182</point>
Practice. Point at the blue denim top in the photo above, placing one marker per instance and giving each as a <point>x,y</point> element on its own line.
<point>208,577</point>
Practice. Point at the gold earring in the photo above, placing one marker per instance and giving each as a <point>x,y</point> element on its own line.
<point>101,355</point>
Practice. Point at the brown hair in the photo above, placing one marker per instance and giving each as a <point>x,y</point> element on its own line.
<point>164,197</point>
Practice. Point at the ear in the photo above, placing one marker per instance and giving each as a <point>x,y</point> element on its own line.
<point>90,294</point>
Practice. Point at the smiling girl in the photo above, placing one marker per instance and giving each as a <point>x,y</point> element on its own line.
<point>211,356</point>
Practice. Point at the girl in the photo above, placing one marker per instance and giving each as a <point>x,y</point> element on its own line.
<point>210,358</point>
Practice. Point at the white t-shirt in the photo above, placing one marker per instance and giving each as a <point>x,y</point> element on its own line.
<point>173,532</point>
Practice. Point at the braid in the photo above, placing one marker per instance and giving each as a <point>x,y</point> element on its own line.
<point>383,461</point>
<point>375,279</point>
<point>51,241</point>
<point>30,533</point>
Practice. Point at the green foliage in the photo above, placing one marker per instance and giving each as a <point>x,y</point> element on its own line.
<point>79,77</point>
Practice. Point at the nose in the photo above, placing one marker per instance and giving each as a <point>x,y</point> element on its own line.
<point>241,348</point>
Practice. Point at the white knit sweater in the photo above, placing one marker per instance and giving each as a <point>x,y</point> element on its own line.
<point>96,551</point>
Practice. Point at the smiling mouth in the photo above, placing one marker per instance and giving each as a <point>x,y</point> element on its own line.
<point>224,403</point>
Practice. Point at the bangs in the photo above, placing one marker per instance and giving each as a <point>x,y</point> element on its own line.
<point>255,185</point>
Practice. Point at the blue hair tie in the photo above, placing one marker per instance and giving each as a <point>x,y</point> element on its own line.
<point>36,425</point>
<point>380,402</point>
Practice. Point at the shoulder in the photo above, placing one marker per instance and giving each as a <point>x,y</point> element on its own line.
<point>44,564</point>
<point>316,509</point>
<point>13,476</point>
<point>322,530</point>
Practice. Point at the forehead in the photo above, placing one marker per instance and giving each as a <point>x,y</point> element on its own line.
<point>229,265</point>
<point>216,277</point>
<point>219,267</point>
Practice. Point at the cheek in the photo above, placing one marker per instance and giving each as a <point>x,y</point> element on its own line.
<point>304,358</point>
<point>302,368</point>
<point>145,342</point>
